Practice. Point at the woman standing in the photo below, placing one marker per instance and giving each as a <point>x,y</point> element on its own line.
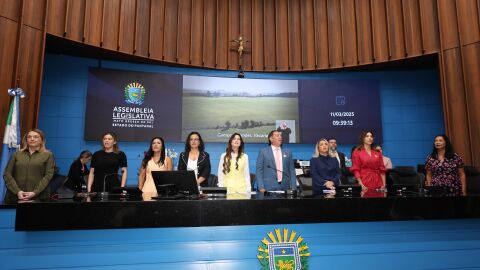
<point>387,162</point>
<point>445,167</point>
<point>367,163</point>
<point>233,171</point>
<point>324,169</point>
<point>155,160</point>
<point>30,169</point>
<point>195,158</point>
<point>105,165</point>
<point>78,171</point>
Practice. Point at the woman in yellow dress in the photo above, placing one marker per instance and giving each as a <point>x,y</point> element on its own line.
<point>155,160</point>
<point>233,171</point>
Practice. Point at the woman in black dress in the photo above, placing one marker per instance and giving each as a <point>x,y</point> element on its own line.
<point>105,165</point>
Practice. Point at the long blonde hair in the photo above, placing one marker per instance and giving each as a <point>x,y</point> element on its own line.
<point>316,153</point>
<point>42,136</point>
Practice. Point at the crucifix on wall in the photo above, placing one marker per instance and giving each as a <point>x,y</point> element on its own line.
<point>241,49</point>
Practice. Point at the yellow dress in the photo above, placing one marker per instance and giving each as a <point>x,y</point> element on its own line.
<point>149,190</point>
<point>237,180</point>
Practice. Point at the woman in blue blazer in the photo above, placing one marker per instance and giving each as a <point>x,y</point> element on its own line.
<point>324,169</point>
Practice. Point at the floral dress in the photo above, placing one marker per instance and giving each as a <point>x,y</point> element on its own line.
<point>445,173</point>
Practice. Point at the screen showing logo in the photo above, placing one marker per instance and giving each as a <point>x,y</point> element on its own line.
<point>340,100</point>
<point>134,93</point>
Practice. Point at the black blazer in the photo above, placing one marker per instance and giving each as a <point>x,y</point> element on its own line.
<point>76,176</point>
<point>203,165</point>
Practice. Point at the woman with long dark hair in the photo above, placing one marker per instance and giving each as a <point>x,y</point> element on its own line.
<point>105,166</point>
<point>154,160</point>
<point>367,163</point>
<point>233,171</point>
<point>78,171</point>
<point>195,158</point>
<point>445,167</point>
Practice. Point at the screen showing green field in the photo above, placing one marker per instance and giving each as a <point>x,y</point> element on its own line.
<point>218,107</point>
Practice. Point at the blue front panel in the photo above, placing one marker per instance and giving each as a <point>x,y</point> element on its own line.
<point>442,244</point>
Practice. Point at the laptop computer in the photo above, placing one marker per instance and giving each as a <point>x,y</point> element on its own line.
<point>184,184</point>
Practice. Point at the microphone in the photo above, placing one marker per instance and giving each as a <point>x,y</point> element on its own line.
<point>104,180</point>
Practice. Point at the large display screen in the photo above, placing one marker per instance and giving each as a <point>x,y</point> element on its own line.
<point>141,105</point>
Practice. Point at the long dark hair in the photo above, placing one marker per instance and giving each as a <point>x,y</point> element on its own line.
<point>449,152</point>
<point>228,156</point>
<point>84,154</point>
<point>201,147</point>
<point>150,153</point>
<point>360,145</point>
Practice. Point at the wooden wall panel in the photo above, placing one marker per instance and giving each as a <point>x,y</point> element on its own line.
<point>57,10</point>
<point>295,48</point>
<point>335,42</point>
<point>210,30</point>
<point>380,31</point>
<point>269,35</point>
<point>246,31</point>
<point>8,35</point>
<point>448,24</point>
<point>257,48</point>
<point>233,33</point>
<point>281,35</point>
<point>322,57</point>
<point>308,34</point>
<point>75,20</point>
<point>157,19</point>
<point>93,22</point>
<point>223,40</point>
<point>171,29</point>
<point>34,13</point>
<point>142,28</point>
<point>349,33</point>
<point>184,30</point>
<point>111,24</point>
<point>429,22</point>
<point>471,56</point>
<point>29,71</point>
<point>364,31</point>
<point>468,21</point>
<point>10,9</point>
<point>196,48</point>
<point>412,23</point>
<point>396,39</point>
<point>454,100</point>
<point>127,26</point>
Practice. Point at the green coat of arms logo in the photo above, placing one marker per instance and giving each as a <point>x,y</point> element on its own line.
<point>283,251</point>
<point>134,93</point>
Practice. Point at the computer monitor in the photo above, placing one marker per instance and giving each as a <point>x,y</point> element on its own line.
<point>184,181</point>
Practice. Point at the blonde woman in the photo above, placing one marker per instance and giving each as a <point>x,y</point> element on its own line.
<point>30,169</point>
<point>324,168</point>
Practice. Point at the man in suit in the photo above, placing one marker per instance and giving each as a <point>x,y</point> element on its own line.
<point>275,169</point>
<point>332,145</point>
